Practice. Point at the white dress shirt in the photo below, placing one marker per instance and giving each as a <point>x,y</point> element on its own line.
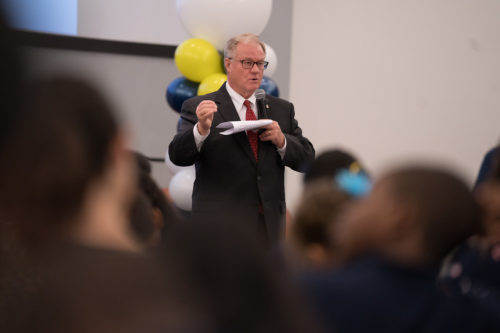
<point>241,109</point>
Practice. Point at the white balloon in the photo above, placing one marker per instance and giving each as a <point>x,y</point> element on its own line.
<point>173,167</point>
<point>273,60</point>
<point>181,188</point>
<point>218,20</point>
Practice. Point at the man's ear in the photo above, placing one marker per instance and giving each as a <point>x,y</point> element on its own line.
<point>227,64</point>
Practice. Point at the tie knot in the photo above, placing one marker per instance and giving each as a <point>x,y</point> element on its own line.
<point>247,104</point>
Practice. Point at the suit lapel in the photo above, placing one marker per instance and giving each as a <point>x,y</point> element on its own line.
<point>228,113</point>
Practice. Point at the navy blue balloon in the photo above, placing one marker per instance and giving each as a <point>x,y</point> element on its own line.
<point>270,87</point>
<point>180,90</point>
<point>179,124</point>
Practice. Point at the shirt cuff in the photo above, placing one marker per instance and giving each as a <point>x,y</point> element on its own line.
<point>198,138</point>
<point>282,150</point>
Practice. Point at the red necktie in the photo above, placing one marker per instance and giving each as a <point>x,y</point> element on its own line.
<point>252,136</point>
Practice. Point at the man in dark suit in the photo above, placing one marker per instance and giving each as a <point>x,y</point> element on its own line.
<point>241,173</point>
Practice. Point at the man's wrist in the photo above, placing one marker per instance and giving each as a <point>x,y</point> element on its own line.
<point>198,138</point>
<point>201,131</point>
<point>282,143</point>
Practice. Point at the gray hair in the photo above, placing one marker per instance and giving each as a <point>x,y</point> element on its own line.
<point>243,38</point>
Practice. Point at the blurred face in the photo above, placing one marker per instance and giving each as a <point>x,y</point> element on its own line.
<point>245,81</point>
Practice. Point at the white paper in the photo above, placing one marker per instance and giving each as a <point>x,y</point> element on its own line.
<point>244,125</point>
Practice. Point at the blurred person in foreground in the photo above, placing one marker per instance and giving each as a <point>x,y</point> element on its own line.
<point>69,188</point>
<point>11,87</point>
<point>332,182</point>
<point>243,170</point>
<point>233,278</point>
<point>396,239</point>
<point>473,270</point>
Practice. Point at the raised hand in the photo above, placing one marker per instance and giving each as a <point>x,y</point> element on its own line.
<point>205,113</point>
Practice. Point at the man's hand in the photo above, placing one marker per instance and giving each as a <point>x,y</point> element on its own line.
<point>273,133</point>
<point>205,113</point>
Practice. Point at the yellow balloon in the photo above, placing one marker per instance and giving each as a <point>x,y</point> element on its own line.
<point>211,83</point>
<point>196,59</point>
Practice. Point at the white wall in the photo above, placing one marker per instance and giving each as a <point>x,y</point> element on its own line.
<point>395,80</point>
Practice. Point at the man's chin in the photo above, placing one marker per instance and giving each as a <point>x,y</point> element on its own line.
<point>254,85</point>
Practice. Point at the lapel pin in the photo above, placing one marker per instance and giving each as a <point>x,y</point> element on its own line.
<point>267,106</point>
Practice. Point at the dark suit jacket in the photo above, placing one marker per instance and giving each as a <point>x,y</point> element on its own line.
<point>227,175</point>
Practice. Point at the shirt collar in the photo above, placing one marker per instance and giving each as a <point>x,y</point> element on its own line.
<point>238,99</point>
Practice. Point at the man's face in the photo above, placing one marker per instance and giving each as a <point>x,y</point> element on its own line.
<point>245,81</point>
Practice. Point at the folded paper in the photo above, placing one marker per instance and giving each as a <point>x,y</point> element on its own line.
<point>232,127</point>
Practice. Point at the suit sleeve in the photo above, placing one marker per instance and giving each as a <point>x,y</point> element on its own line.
<point>299,150</point>
<point>182,150</point>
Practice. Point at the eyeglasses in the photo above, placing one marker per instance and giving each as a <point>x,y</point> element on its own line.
<point>248,64</point>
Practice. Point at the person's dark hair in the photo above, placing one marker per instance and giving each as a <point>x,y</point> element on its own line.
<point>320,206</point>
<point>62,146</point>
<point>150,196</point>
<point>495,171</point>
<point>141,216</point>
<point>443,204</point>
<point>143,163</point>
<point>328,163</point>
<point>489,167</point>
<point>157,198</point>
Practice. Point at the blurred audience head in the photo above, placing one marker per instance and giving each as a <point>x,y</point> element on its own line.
<point>486,170</point>
<point>151,213</point>
<point>329,163</point>
<point>313,222</point>
<point>67,165</point>
<point>495,175</point>
<point>334,179</point>
<point>488,196</point>
<point>343,169</point>
<point>414,215</point>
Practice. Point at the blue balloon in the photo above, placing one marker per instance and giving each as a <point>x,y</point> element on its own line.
<point>179,124</point>
<point>180,90</point>
<point>270,87</point>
